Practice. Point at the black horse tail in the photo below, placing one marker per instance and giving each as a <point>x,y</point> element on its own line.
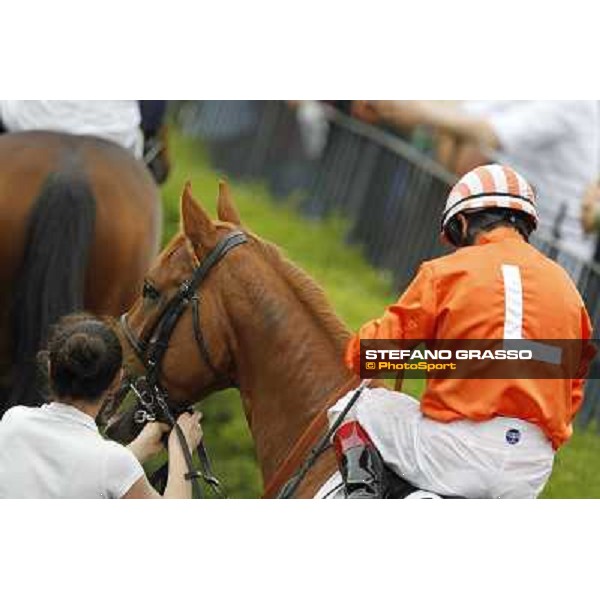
<point>51,281</point>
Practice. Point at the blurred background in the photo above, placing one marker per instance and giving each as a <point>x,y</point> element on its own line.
<point>353,192</point>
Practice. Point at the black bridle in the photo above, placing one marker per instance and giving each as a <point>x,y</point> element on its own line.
<point>151,396</point>
<point>151,350</point>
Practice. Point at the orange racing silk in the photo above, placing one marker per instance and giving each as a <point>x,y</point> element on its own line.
<point>501,287</point>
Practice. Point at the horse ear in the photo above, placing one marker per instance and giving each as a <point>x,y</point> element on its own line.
<point>226,209</point>
<point>195,222</point>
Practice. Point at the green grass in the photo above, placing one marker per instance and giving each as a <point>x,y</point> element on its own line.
<point>357,291</point>
<point>576,468</point>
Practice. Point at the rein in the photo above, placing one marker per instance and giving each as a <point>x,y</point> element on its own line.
<point>155,404</point>
<point>151,350</point>
<point>288,477</point>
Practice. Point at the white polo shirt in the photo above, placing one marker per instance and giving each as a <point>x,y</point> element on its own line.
<point>114,120</point>
<point>555,145</point>
<point>56,451</point>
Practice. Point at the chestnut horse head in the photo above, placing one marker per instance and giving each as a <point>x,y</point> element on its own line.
<point>261,325</point>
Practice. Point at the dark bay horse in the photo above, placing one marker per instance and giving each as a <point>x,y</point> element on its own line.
<point>266,328</point>
<point>80,222</point>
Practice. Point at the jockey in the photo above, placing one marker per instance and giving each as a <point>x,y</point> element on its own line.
<point>475,438</point>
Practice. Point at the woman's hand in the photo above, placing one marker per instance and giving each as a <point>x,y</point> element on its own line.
<point>192,431</point>
<point>149,441</point>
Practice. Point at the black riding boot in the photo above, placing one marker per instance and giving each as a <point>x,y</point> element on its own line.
<point>359,462</point>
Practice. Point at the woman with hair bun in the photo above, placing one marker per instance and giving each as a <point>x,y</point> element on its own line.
<point>56,451</point>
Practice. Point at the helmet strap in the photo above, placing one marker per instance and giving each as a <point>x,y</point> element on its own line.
<point>457,231</point>
<point>465,238</point>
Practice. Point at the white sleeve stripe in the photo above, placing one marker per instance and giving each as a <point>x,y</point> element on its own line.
<point>513,320</point>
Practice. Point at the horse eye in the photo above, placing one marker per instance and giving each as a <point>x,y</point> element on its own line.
<point>149,292</point>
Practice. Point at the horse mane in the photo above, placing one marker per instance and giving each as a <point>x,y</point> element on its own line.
<point>304,287</point>
<point>307,290</point>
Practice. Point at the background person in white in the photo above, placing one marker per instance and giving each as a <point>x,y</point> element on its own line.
<point>56,451</point>
<point>115,120</point>
<point>554,144</point>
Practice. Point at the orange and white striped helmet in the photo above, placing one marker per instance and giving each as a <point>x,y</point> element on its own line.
<point>490,186</point>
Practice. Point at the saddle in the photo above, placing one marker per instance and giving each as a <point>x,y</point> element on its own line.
<point>397,488</point>
<point>394,488</point>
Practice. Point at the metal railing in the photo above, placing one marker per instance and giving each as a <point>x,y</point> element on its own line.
<point>391,194</point>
